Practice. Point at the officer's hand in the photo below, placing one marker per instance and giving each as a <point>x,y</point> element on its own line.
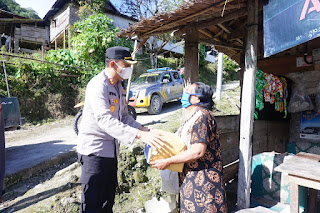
<point>151,138</point>
<point>143,128</point>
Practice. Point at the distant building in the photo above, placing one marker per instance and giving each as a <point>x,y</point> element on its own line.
<point>63,14</point>
<point>20,34</point>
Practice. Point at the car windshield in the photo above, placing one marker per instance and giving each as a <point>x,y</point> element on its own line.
<point>147,79</point>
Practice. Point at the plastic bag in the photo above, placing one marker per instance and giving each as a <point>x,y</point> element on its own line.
<point>300,101</point>
<point>317,101</point>
<point>170,181</point>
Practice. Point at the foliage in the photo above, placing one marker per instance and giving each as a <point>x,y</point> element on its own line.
<point>43,90</point>
<point>89,7</point>
<point>13,7</point>
<point>140,9</point>
<point>92,36</point>
<point>208,72</point>
<point>230,69</point>
<point>202,55</point>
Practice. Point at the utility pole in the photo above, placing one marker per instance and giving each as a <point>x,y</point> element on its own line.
<point>219,76</point>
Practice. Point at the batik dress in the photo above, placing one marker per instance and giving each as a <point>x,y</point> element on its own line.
<point>202,185</point>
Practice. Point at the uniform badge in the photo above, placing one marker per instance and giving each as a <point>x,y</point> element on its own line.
<point>111,81</point>
<point>112,108</point>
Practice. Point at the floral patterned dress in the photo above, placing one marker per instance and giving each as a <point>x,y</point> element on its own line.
<point>202,185</point>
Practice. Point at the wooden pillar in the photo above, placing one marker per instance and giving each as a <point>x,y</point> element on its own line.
<point>64,39</point>
<point>42,51</point>
<point>191,61</point>
<point>69,37</point>
<point>247,107</point>
<point>55,44</point>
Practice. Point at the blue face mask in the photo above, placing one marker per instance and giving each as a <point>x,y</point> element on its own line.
<point>185,99</point>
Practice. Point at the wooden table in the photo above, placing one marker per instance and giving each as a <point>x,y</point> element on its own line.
<point>303,170</point>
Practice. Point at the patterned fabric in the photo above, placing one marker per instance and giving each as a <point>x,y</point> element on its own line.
<point>308,146</point>
<point>275,184</point>
<point>202,185</point>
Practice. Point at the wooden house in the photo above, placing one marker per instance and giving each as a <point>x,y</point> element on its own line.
<point>63,15</point>
<point>26,35</point>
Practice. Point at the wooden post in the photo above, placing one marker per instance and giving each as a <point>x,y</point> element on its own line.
<point>6,78</point>
<point>55,44</point>
<point>129,80</point>
<point>64,39</point>
<point>191,61</point>
<point>219,76</point>
<point>69,37</point>
<point>42,51</point>
<point>247,107</point>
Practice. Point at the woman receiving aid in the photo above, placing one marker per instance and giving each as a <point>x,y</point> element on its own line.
<point>202,185</point>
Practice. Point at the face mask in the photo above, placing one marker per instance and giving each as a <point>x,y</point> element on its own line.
<point>185,99</point>
<point>125,72</point>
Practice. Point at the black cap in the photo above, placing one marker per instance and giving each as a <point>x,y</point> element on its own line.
<point>120,53</point>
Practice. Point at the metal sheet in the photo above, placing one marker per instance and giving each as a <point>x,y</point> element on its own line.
<point>288,23</point>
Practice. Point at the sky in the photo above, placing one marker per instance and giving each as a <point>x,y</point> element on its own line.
<point>43,6</point>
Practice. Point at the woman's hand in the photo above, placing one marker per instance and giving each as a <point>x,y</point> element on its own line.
<point>160,164</point>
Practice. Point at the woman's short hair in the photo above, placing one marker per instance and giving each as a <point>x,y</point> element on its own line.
<point>205,93</point>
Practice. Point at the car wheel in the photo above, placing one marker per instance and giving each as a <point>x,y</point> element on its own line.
<point>155,105</point>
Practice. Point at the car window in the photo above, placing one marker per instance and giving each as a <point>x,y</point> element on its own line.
<point>167,76</point>
<point>176,76</point>
<point>149,79</point>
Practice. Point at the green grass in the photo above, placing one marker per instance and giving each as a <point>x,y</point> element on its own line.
<point>229,103</point>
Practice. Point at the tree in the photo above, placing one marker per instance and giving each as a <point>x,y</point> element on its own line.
<point>13,7</point>
<point>92,36</point>
<point>141,9</point>
<point>89,7</point>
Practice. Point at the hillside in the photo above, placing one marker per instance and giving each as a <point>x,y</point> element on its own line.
<point>14,7</point>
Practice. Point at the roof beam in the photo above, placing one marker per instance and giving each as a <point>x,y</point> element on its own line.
<point>220,43</point>
<point>228,31</point>
<point>212,8</point>
<point>220,20</point>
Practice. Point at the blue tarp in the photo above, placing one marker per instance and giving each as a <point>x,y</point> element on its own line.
<point>288,23</point>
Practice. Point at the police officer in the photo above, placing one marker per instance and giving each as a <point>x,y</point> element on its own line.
<point>105,122</point>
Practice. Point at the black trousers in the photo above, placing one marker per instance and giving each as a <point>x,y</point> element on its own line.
<point>99,182</point>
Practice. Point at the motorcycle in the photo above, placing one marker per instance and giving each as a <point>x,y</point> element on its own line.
<point>77,118</point>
